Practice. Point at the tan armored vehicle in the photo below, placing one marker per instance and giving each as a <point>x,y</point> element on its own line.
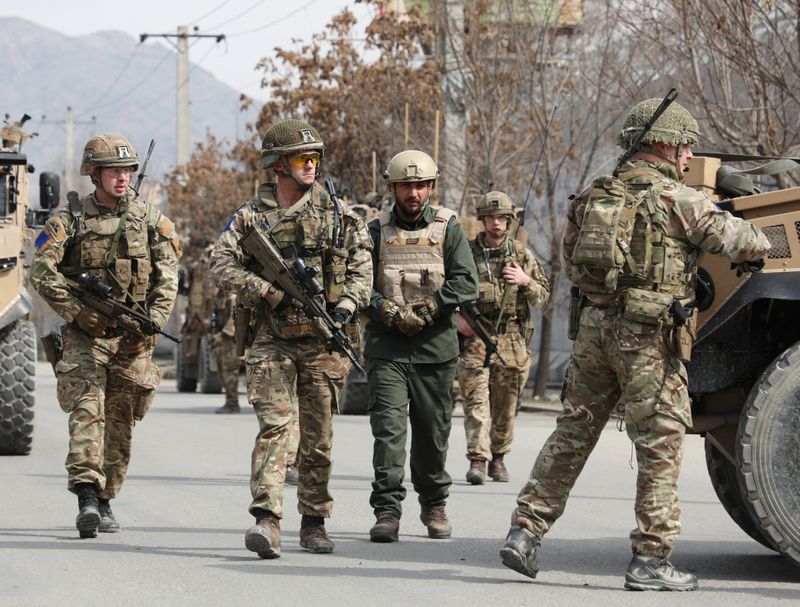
<point>744,376</point>
<point>17,334</point>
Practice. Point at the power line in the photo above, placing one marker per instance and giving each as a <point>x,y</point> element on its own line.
<point>140,82</point>
<point>232,19</point>
<point>113,84</point>
<point>276,22</point>
<point>209,13</point>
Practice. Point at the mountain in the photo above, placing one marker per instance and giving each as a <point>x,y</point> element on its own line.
<point>129,88</point>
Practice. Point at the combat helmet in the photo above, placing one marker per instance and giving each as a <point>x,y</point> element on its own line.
<point>108,150</point>
<point>495,203</point>
<point>411,165</point>
<point>287,137</point>
<point>674,127</point>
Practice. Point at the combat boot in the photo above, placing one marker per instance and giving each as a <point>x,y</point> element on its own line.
<point>228,409</point>
<point>313,536</point>
<point>435,519</point>
<point>108,524</point>
<point>385,529</point>
<point>292,474</point>
<point>476,474</point>
<point>497,469</point>
<point>519,551</point>
<point>654,573</point>
<point>89,516</point>
<point>264,537</point>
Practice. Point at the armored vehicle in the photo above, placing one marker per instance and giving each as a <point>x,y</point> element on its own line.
<point>17,334</point>
<point>744,376</point>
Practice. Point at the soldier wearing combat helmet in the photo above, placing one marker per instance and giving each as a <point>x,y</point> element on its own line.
<point>106,377</point>
<point>510,280</point>
<point>630,344</point>
<point>289,367</point>
<point>423,271</point>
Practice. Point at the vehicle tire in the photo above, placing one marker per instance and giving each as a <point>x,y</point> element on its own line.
<point>354,399</point>
<point>725,481</point>
<point>185,381</point>
<point>17,387</point>
<point>209,380</point>
<point>768,451</point>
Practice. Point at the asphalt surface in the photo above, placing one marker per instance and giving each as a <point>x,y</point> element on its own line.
<point>183,511</point>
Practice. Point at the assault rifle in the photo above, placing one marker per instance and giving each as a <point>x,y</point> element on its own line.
<point>299,281</point>
<point>96,294</point>
<point>472,315</point>
<point>142,173</point>
<point>637,143</point>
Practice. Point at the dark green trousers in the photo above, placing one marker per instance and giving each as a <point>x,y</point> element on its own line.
<point>421,394</point>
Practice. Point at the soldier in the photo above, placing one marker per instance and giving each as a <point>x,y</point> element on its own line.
<point>106,377</point>
<point>628,328</point>
<point>288,365</point>
<point>423,271</point>
<point>222,334</point>
<point>511,280</point>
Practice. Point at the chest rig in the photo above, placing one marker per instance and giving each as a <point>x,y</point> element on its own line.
<point>115,247</point>
<point>306,231</point>
<point>492,288</point>
<point>411,263</point>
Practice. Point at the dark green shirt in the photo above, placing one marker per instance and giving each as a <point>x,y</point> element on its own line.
<point>439,342</point>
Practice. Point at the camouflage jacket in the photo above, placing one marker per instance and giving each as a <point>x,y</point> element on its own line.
<point>146,258</point>
<point>305,229</point>
<point>490,262</point>
<point>692,218</point>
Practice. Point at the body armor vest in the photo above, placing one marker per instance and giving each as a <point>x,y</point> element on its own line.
<point>307,234</point>
<point>411,264</point>
<point>492,287</point>
<point>91,247</point>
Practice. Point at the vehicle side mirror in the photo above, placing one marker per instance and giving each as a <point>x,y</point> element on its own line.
<point>49,190</point>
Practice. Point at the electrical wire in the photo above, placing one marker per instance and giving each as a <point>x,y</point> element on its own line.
<point>232,19</point>
<point>276,22</point>
<point>113,84</point>
<point>209,13</point>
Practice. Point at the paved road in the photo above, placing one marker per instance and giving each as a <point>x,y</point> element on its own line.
<point>184,512</point>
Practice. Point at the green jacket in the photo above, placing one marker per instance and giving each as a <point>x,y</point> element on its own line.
<point>439,342</point>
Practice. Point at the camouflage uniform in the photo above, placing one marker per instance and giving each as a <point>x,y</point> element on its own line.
<point>617,359</point>
<point>223,342</point>
<point>106,384</point>
<point>288,366</point>
<point>490,394</point>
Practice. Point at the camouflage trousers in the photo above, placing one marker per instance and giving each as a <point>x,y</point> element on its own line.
<point>228,364</point>
<point>617,361</point>
<point>105,388</point>
<point>290,380</point>
<point>490,394</point>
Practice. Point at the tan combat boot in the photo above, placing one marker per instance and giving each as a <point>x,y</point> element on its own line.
<point>435,519</point>
<point>313,536</point>
<point>476,474</point>
<point>497,469</point>
<point>385,529</point>
<point>264,537</point>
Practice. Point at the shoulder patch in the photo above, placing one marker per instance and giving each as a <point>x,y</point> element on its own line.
<point>53,234</point>
<point>167,230</point>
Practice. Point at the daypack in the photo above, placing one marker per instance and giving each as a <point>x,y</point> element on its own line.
<point>611,243</point>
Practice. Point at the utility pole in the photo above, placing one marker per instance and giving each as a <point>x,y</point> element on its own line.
<point>181,45</point>
<point>69,158</point>
<point>454,178</point>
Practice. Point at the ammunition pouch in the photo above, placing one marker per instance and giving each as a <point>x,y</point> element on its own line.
<point>646,307</point>
<point>683,337</point>
<point>576,303</point>
<point>242,335</point>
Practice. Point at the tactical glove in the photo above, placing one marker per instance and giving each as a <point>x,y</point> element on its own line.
<point>91,322</point>
<point>407,321</point>
<point>340,316</point>
<point>388,312</point>
<point>748,266</point>
<point>427,309</point>
<point>276,298</point>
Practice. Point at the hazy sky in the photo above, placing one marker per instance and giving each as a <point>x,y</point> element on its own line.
<point>253,27</point>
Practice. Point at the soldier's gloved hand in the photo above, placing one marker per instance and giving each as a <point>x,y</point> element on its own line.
<point>427,309</point>
<point>748,266</point>
<point>340,316</point>
<point>407,321</point>
<point>388,312</point>
<point>276,298</point>
<point>91,322</point>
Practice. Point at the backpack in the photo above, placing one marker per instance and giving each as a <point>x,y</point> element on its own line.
<point>611,243</point>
